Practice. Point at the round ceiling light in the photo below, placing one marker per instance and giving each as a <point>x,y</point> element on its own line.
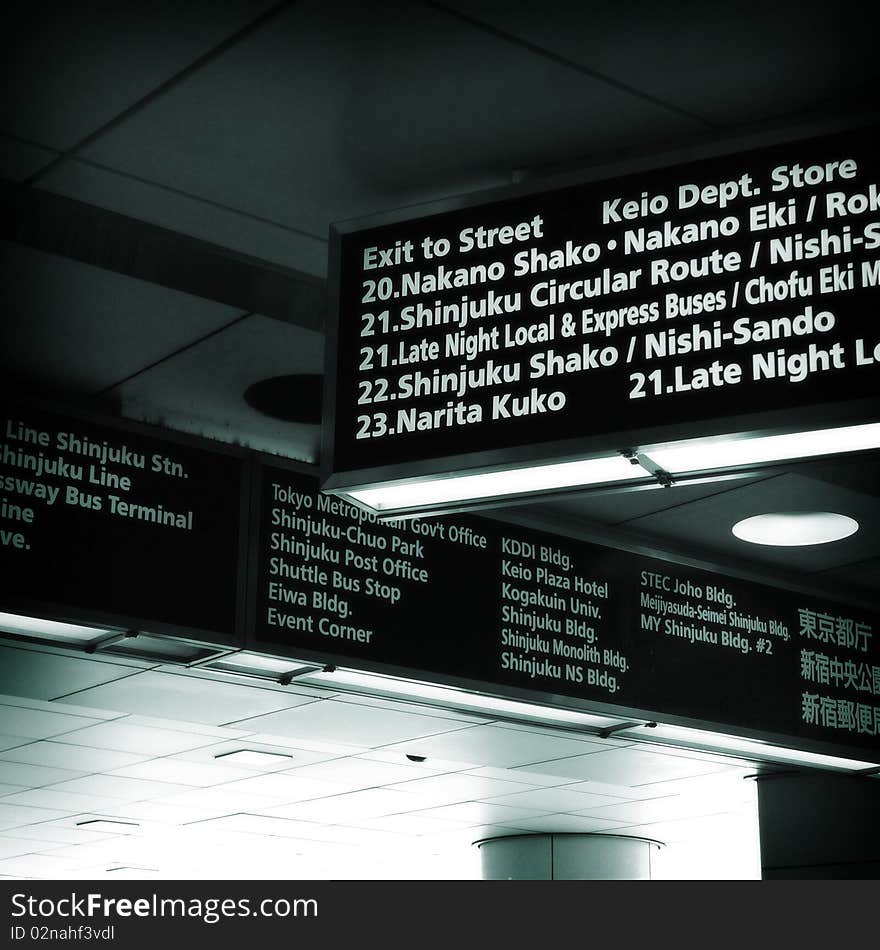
<point>795,528</point>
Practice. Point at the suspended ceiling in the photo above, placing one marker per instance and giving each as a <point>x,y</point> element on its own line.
<point>247,128</point>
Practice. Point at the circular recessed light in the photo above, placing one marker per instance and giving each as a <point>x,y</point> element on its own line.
<point>795,528</point>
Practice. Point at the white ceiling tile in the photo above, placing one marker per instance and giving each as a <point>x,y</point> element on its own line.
<point>515,775</point>
<point>626,767</point>
<point>365,726</point>
<point>61,831</point>
<point>185,698</point>
<point>459,787</point>
<point>261,825</point>
<point>191,728</point>
<point>179,772</point>
<point>480,813</point>
<point>563,824</point>
<point>93,851</point>
<point>730,785</point>
<point>125,789</point>
<point>283,788</point>
<point>331,749</point>
<point>412,823</point>
<point>42,675</point>
<point>220,800</point>
<point>12,847</point>
<point>342,809</point>
<point>620,792</point>
<point>670,808</point>
<point>75,757</point>
<point>554,800</point>
<point>19,816</point>
<point>37,723</point>
<point>60,708</point>
<point>63,801</point>
<point>121,736</point>
<point>34,776</point>
<point>280,756</point>
<point>355,772</point>
<point>395,756</point>
<point>464,841</point>
<point>695,829</point>
<point>384,842</point>
<point>498,746</point>
<point>262,662</point>
<point>153,812</point>
<point>37,865</point>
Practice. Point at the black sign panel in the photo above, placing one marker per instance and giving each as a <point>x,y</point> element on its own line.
<point>673,303</point>
<point>112,520</point>
<point>477,600</point>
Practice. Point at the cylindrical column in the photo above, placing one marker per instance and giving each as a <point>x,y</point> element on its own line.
<point>566,857</point>
<point>819,825</point>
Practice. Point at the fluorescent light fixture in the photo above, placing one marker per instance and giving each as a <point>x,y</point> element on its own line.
<point>795,528</point>
<point>253,757</point>
<point>701,739</point>
<point>693,457</point>
<point>245,663</point>
<point>699,455</point>
<point>519,481</point>
<point>405,689</point>
<point>50,629</point>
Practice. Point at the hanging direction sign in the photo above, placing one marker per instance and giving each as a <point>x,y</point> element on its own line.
<point>726,295</point>
<point>114,520</point>
<point>504,607</point>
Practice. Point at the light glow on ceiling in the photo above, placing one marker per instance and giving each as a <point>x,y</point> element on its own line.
<point>520,481</point>
<point>795,528</point>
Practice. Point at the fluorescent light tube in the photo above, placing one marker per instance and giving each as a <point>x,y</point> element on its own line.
<point>538,478</point>
<point>404,689</point>
<point>721,742</point>
<point>49,629</point>
<point>700,455</point>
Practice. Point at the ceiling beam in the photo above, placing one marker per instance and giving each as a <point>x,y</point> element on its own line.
<point>115,242</point>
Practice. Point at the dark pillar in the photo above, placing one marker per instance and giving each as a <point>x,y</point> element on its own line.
<point>819,825</point>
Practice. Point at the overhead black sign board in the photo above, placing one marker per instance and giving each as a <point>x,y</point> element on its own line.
<point>725,295</point>
<point>508,608</point>
<point>113,522</point>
